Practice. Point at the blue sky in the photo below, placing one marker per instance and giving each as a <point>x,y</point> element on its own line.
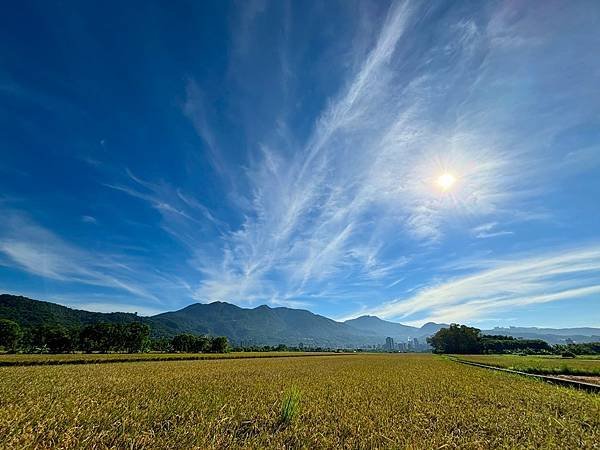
<point>289,153</point>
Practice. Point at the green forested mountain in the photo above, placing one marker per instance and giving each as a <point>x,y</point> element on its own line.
<point>259,326</point>
<point>27,312</point>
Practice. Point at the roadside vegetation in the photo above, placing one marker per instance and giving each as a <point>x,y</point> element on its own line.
<point>348,401</point>
<point>543,365</point>
<point>461,339</point>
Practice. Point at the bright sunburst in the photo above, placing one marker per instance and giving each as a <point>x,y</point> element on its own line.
<point>446,181</point>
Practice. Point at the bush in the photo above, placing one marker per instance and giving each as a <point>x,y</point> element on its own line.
<point>290,406</point>
<point>568,354</point>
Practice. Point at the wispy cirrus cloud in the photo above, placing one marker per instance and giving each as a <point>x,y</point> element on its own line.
<point>291,158</point>
<point>301,221</point>
<point>348,209</point>
<point>501,286</point>
<point>367,168</point>
<point>38,251</point>
<point>195,110</point>
<point>89,219</point>
<point>183,215</point>
<point>489,230</point>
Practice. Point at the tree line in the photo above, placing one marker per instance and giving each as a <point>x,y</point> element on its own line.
<point>461,339</point>
<point>190,343</point>
<point>588,348</point>
<point>101,337</point>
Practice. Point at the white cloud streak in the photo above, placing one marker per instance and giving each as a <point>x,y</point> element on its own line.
<point>344,213</point>
<point>489,230</point>
<point>367,157</point>
<point>503,286</point>
<point>40,252</point>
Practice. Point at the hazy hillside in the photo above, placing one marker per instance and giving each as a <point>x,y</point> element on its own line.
<point>375,325</point>
<point>550,335</point>
<point>431,328</point>
<point>384,328</point>
<point>583,331</point>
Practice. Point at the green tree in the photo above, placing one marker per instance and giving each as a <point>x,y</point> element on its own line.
<point>10,334</point>
<point>135,337</point>
<point>202,344</point>
<point>219,344</point>
<point>162,344</point>
<point>58,339</point>
<point>184,342</point>
<point>100,337</point>
<point>456,339</point>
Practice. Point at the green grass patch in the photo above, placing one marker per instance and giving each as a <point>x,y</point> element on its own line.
<point>542,365</point>
<point>290,406</point>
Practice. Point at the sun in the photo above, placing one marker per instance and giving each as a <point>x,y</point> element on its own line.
<point>446,181</point>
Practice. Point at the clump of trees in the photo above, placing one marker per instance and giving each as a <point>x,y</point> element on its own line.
<point>190,343</point>
<point>456,339</point>
<point>101,337</point>
<point>10,335</point>
<point>509,344</point>
<point>462,339</point>
<point>589,348</point>
<point>274,348</point>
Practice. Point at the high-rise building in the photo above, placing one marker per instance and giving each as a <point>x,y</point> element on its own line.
<point>389,344</point>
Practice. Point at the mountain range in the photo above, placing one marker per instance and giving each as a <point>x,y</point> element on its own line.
<point>262,325</point>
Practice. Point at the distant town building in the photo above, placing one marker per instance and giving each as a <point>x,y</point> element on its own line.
<point>389,344</point>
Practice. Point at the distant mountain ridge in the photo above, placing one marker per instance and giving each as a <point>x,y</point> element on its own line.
<point>550,335</point>
<point>398,331</point>
<point>262,325</point>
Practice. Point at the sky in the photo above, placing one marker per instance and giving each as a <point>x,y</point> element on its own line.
<point>418,161</point>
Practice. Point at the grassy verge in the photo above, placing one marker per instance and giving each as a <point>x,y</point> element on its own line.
<point>542,365</point>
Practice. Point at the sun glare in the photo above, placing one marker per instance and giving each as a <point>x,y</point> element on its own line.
<point>446,181</point>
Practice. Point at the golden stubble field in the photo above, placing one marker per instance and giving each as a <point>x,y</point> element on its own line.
<point>354,401</point>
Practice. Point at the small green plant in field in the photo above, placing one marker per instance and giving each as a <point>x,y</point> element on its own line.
<point>290,406</point>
